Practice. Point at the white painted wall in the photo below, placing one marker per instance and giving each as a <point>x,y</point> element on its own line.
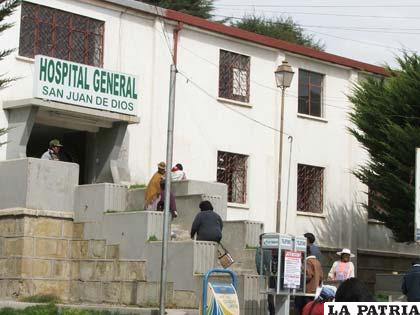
<point>135,44</point>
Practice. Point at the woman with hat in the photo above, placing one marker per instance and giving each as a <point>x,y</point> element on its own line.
<point>342,269</point>
<point>152,194</point>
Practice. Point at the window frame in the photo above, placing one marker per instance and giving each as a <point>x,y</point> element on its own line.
<point>243,201</point>
<point>322,193</point>
<point>37,22</point>
<point>226,89</point>
<point>322,88</point>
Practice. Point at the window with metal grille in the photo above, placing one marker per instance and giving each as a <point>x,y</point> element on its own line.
<point>232,170</point>
<point>55,33</point>
<point>310,93</point>
<point>310,188</point>
<point>234,76</point>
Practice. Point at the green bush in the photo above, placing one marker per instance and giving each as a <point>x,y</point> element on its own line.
<point>136,186</point>
<point>49,309</point>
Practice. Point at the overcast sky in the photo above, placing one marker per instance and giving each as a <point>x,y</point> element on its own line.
<point>372,31</point>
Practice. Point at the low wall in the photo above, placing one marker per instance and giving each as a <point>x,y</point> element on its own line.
<point>38,184</point>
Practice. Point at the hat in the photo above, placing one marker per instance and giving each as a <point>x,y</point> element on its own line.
<point>205,205</point>
<point>55,143</point>
<point>345,251</point>
<point>326,292</point>
<point>310,237</point>
<point>162,165</point>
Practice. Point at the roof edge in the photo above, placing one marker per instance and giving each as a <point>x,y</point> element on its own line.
<point>272,42</point>
<point>250,36</point>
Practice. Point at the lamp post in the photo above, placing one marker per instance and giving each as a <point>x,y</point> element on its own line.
<point>284,76</point>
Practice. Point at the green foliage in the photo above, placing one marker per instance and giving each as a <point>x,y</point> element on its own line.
<point>387,124</point>
<point>76,311</point>
<point>45,298</point>
<point>200,8</point>
<point>381,298</point>
<point>281,28</point>
<point>49,309</point>
<point>137,186</point>
<point>6,9</point>
<point>152,238</point>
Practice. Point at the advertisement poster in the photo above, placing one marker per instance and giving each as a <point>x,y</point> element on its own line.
<point>292,269</point>
<point>222,299</point>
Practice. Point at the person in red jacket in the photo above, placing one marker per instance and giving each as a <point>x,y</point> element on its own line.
<point>316,307</point>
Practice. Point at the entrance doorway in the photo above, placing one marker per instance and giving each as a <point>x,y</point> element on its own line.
<point>74,145</point>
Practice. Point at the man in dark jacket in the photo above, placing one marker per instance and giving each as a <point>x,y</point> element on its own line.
<point>411,283</point>
<point>207,224</point>
<point>314,248</point>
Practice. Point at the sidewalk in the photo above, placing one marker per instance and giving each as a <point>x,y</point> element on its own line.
<point>104,307</point>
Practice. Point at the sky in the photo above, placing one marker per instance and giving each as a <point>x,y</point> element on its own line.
<point>371,31</point>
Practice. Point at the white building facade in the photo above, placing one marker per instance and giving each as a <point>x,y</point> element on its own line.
<point>227,113</point>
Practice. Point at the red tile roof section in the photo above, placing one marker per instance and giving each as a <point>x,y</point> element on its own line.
<point>272,42</point>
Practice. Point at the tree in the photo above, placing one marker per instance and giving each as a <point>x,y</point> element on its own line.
<point>200,8</point>
<point>281,28</point>
<point>6,9</point>
<point>386,122</point>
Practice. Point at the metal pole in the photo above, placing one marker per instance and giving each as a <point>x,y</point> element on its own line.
<point>280,163</point>
<point>169,151</point>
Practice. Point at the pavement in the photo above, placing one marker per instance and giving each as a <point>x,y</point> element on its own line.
<point>104,307</point>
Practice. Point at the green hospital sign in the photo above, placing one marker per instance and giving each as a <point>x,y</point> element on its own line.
<point>78,84</point>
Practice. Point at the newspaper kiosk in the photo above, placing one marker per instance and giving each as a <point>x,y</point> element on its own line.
<point>285,274</point>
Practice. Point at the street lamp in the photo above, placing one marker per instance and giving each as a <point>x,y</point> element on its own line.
<point>284,76</point>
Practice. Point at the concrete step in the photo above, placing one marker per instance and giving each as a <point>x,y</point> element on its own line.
<point>131,231</point>
<point>107,270</point>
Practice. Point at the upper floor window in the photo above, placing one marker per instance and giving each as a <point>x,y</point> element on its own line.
<point>310,189</point>
<point>232,170</point>
<point>310,93</point>
<point>234,76</point>
<point>55,33</point>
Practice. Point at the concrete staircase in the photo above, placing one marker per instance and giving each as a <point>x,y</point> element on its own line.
<point>116,246</point>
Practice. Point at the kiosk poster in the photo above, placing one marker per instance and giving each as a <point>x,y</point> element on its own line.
<point>292,269</point>
<point>222,299</point>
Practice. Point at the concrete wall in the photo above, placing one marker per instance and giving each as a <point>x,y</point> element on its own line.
<point>204,124</point>
<point>38,184</point>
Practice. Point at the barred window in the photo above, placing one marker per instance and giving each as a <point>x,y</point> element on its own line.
<point>232,170</point>
<point>234,76</point>
<point>310,188</point>
<point>55,33</point>
<point>310,93</point>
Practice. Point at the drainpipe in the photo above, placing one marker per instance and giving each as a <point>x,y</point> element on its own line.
<point>177,29</point>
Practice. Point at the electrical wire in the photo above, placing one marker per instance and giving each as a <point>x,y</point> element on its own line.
<point>330,14</point>
<point>204,91</point>
<point>318,6</point>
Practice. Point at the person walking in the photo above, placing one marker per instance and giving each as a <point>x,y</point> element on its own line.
<point>314,275</point>
<point>342,269</point>
<point>264,270</point>
<point>152,194</point>
<point>207,224</point>
<point>53,152</point>
<point>411,282</point>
